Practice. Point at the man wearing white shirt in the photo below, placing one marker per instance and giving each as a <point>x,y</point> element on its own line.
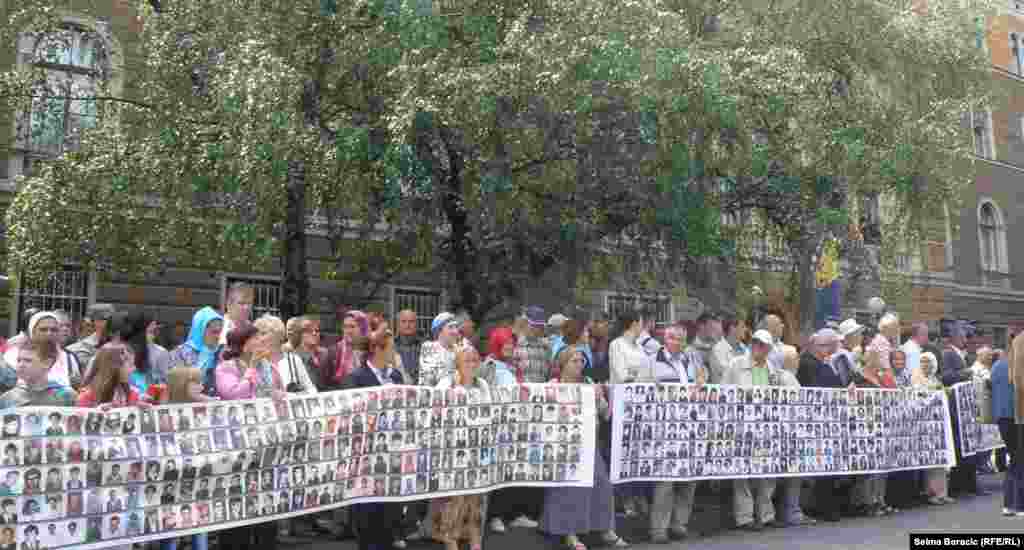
<point>646,341</point>
<point>239,308</point>
<point>915,345</point>
<point>673,501</point>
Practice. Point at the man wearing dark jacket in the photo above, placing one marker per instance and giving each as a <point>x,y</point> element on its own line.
<point>964,477</point>
<point>816,371</point>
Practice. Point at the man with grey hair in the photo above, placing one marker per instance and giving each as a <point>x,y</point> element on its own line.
<point>820,373</point>
<point>672,502</point>
<point>85,349</point>
<point>752,498</point>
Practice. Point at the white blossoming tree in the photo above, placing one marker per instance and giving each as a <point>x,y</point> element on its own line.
<point>494,143</point>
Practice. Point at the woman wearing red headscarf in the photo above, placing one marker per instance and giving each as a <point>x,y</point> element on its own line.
<point>516,505</point>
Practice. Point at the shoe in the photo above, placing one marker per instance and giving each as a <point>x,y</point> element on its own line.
<point>573,543</point>
<point>497,525</point>
<point>677,534</point>
<point>418,534</point>
<point>804,520</point>
<point>936,501</point>
<point>400,544</point>
<point>1008,512</point>
<point>612,539</point>
<point>751,526</point>
<point>523,522</point>
<point>659,537</point>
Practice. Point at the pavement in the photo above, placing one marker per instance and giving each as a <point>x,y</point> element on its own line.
<point>967,515</point>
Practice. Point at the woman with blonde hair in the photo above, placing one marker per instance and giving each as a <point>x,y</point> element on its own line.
<point>455,519</point>
<point>185,385</point>
<point>293,335</point>
<point>293,372</point>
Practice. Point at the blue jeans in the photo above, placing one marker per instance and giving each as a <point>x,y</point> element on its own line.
<point>199,542</point>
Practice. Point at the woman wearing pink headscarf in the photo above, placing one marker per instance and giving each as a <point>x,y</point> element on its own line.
<point>343,357</point>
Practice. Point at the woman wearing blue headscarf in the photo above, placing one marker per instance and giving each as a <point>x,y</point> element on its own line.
<point>201,348</point>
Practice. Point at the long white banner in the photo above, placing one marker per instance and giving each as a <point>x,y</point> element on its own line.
<point>91,479</point>
<point>677,432</point>
<point>975,437</point>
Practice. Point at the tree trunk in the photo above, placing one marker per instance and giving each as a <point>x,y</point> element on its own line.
<point>806,276</point>
<point>294,271</point>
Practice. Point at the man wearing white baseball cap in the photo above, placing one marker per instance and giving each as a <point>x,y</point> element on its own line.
<point>846,359</point>
<point>754,370</point>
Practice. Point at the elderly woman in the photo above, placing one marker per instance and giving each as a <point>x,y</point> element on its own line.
<point>570,511</point>
<point>925,376</point>
<point>458,518</point>
<point>437,357</point>
<point>788,512</point>
<point>294,375</point>
<point>981,372</point>
<point>513,506</point>
<point>869,490</point>
<point>886,340</point>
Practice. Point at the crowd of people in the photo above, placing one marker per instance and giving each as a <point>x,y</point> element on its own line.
<point>230,357</point>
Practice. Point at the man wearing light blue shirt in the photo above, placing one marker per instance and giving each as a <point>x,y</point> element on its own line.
<point>915,345</point>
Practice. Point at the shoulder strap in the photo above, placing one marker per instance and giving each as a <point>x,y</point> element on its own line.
<point>291,368</point>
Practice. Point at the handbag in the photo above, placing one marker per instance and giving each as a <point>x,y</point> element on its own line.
<point>294,386</point>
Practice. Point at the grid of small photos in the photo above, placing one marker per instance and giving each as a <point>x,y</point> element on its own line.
<point>79,476</point>
<point>967,410</point>
<point>675,431</point>
<point>974,436</point>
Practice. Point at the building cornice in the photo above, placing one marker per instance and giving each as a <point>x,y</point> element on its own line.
<point>946,280</point>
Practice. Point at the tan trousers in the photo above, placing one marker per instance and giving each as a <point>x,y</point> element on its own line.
<point>671,506</point>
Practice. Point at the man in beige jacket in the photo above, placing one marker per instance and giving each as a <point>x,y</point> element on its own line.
<point>755,370</point>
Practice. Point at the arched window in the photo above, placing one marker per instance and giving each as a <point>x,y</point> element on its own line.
<point>75,64</point>
<point>992,238</point>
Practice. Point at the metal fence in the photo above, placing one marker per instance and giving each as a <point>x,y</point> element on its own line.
<point>662,307</point>
<point>425,303</point>
<point>66,289</point>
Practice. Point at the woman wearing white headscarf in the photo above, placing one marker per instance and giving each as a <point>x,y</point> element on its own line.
<point>44,333</point>
<point>925,376</point>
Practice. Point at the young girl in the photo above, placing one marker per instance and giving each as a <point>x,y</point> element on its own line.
<point>110,386</point>
<point>185,385</point>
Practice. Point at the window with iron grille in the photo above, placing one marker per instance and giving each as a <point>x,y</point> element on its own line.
<point>615,304</point>
<point>66,289</point>
<point>426,304</point>
<point>266,294</point>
